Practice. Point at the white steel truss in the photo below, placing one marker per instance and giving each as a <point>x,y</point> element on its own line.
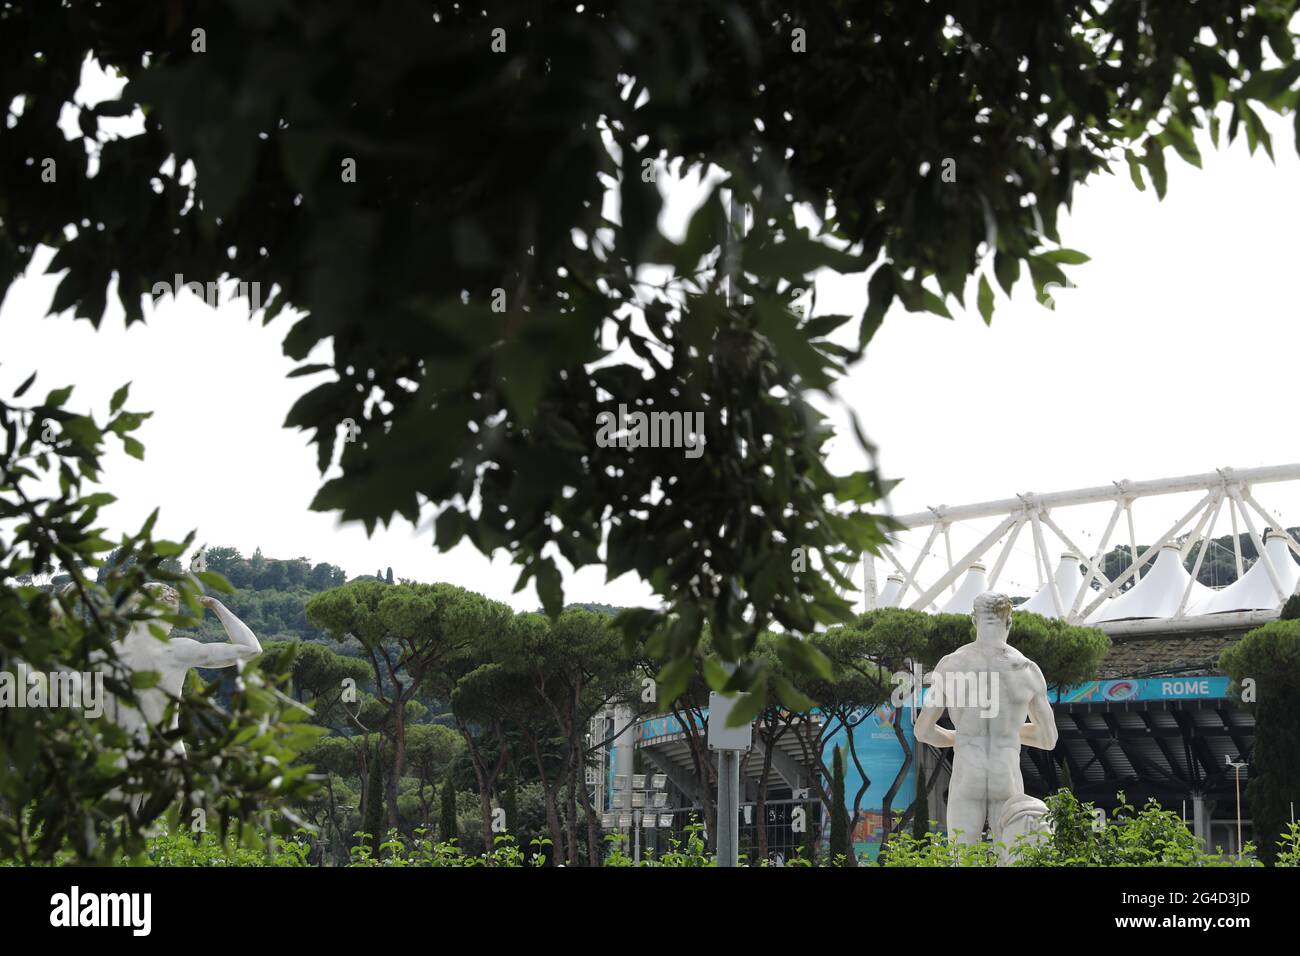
<point>1226,488</point>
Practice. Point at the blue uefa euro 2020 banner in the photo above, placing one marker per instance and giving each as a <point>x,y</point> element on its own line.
<point>880,754</point>
<point>1145,688</point>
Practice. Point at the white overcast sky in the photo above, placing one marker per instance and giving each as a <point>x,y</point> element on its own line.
<point>1172,356</point>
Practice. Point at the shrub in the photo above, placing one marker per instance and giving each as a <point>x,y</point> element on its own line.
<point>1146,836</point>
<point>692,852</point>
<point>1288,853</point>
<point>1267,660</point>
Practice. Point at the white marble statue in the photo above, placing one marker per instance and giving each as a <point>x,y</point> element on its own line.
<point>986,787</point>
<point>140,651</point>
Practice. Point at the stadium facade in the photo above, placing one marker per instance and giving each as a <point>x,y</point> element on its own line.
<point>1159,722</point>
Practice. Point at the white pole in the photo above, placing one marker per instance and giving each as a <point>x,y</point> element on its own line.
<point>1236,767</point>
<point>1132,541</point>
<point>1271,521</point>
<point>973,555</point>
<point>1150,553</point>
<point>947,546</point>
<point>1195,536</point>
<point>1236,537</point>
<point>868,582</point>
<point>925,551</point>
<point>1239,847</point>
<point>1047,520</point>
<point>1036,533</point>
<point>1200,556</point>
<point>1006,553</point>
<point>1041,547</point>
<point>1259,545</point>
<point>1095,563</point>
<point>898,566</point>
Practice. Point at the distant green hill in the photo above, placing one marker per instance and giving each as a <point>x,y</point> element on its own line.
<point>609,609</point>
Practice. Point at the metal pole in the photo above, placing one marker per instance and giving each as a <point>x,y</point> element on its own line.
<point>1236,538</point>
<point>971,556</point>
<point>1132,542</point>
<point>1258,542</point>
<point>636,839</point>
<point>1006,552</point>
<point>947,545</point>
<point>1238,774</point>
<point>916,566</point>
<point>869,596</point>
<point>1147,555</point>
<point>1200,555</point>
<point>728,811</point>
<point>1040,546</point>
<point>1236,766</point>
<point>1086,588</point>
<point>1271,521</point>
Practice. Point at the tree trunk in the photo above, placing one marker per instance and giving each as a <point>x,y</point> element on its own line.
<point>399,760</point>
<point>426,804</point>
<point>593,831</point>
<point>571,807</point>
<point>484,781</point>
<point>705,772</point>
<point>886,804</point>
<point>338,831</point>
<point>485,808</point>
<point>553,821</point>
<point>576,777</point>
<point>552,806</point>
<point>862,772</point>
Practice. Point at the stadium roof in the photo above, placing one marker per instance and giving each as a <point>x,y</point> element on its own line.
<point>892,592</point>
<point>1068,579</point>
<point>963,599</point>
<point>1158,594</point>
<point>1254,590</point>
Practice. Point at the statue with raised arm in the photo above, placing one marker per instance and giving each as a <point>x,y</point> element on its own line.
<point>141,650</point>
<point>997,701</point>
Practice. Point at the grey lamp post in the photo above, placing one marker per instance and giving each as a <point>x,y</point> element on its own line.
<point>639,805</point>
<point>1238,767</point>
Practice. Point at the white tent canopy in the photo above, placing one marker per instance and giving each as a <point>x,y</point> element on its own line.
<point>963,600</point>
<point>892,592</point>
<point>1254,590</point>
<point>1158,594</point>
<point>1069,579</point>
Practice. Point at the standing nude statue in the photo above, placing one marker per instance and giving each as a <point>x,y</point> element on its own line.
<point>986,785</point>
<point>140,651</point>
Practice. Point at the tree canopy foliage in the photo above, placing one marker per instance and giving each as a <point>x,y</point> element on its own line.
<point>465,204</point>
<point>1265,670</point>
<point>406,630</point>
